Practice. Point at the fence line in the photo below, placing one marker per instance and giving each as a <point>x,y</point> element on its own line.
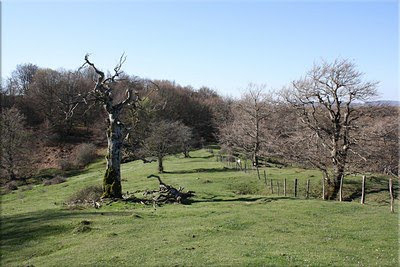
<point>237,164</point>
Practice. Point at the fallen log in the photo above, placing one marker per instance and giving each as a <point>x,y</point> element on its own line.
<point>168,193</point>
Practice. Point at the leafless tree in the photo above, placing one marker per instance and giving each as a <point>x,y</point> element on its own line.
<point>13,143</point>
<point>104,92</point>
<point>185,138</point>
<point>378,140</point>
<point>324,100</point>
<point>247,132</point>
<point>22,77</point>
<point>52,94</point>
<point>17,85</point>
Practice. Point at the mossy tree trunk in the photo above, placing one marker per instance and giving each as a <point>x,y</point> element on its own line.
<point>334,184</point>
<point>112,178</point>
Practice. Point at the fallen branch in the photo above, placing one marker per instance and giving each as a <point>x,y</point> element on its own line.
<point>168,193</point>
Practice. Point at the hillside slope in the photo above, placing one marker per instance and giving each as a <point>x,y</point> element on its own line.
<point>233,220</point>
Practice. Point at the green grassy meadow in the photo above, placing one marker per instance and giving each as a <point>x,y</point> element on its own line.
<point>234,220</point>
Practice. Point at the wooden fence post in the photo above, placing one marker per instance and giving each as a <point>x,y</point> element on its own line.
<point>245,165</point>
<point>265,177</point>
<point>272,186</point>
<point>277,183</point>
<point>308,188</point>
<point>341,188</point>
<point>391,194</point>
<point>323,188</point>
<point>284,187</point>
<point>363,190</point>
<point>295,187</point>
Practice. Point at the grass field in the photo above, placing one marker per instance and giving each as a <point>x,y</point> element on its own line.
<point>234,220</point>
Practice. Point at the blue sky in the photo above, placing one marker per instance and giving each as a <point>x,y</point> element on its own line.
<point>220,44</point>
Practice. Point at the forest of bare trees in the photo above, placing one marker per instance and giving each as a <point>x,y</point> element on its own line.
<point>322,120</point>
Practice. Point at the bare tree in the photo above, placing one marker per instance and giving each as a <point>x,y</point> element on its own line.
<point>186,140</point>
<point>324,100</point>
<point>104,92</point>
<point>13,143</point>
<point>17,85</point>
<point>378,140</point>
<point>53,94</point>
<point>22,77</point>
<point>247,132</point>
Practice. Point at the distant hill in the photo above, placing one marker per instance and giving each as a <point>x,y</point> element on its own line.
<point>391,103</point>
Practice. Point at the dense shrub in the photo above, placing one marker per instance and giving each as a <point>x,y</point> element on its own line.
<point>27,187</point>
<point>87,194</point>
<point>11,186</point>
<point>55,180</point>
<point>66,164</point>
<point>83,227</point>
<point>85,153</point>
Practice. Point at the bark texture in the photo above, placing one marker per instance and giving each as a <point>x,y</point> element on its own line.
<point>112,177</point>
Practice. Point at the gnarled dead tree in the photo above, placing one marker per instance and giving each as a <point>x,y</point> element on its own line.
<point>103,93</point>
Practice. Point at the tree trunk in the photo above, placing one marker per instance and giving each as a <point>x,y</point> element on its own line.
<point>186,153</point>
<point>341,189</point>
<point>334,187</point>
<point>11,167</point>
<point>112,178</point>
<point>160,165</point>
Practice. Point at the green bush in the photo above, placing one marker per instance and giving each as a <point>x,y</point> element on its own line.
<point>245,189</point>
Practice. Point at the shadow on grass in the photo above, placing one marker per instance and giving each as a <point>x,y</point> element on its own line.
<point>21,228</point>
<point>357,193</point>
<point>52,172</point>
<point>239,199</point>
<point>203,157</point>
<point>200,170</point>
